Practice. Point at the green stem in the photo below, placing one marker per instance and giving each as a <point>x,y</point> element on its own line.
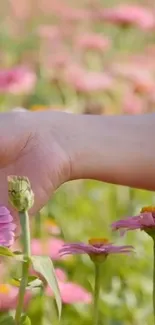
<point>131,201</point>
<point>24,220</point>
<point>154,278</point>
<point>96,293</point>
<point>38,232</point>
<point>60,91</point>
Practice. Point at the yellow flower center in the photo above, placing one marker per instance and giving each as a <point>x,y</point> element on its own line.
<point>98,241</point>
<point>46,107</point>
<point>38,108</point>
<point>4,289</point>
<point>50,222</point>
<point>148,209</point>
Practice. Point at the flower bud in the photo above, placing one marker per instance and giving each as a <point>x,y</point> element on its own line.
<point>20,193</point>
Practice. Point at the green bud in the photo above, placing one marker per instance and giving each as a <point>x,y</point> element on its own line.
<point>98,258</point>
<point>20,193</point>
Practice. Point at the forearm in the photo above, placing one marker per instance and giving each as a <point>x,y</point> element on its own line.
<point>114,149</point>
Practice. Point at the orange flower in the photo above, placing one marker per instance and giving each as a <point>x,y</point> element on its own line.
<point>38,108</point>
<point>52,227</point>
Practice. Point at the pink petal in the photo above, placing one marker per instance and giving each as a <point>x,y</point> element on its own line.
<point>6,218</point>
<point>61,275</point>
<point>50,247</point>
<point>72,293</point>
<point>4,210</point>
<point>147,220</point>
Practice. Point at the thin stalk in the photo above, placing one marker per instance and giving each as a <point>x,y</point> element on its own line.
<point>60,91</point>
<point>131,201</point>
<point>24,220</point>
<point>154,278</point>
<point>96,294</point>
<point>38,228</point>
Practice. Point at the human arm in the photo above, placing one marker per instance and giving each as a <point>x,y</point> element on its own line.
<point>113,149</point>
<point>51,148</point>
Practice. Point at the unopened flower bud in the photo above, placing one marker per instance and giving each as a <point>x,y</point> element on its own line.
<point>20,193</point>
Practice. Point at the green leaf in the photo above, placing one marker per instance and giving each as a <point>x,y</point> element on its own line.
<point>33,282</point>
<point>17,252</point>
<point>15,282</point>
<point>7,320</point>
<point>4,251</point>
<point>44,266</point>
<point>19,256</point>
<point>25,320</point>
<point>32,278</point>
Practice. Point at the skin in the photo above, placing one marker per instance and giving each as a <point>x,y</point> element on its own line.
<point>51,148</point>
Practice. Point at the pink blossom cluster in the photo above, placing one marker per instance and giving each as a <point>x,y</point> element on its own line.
<point>77,55</point>
<point>17,80</point>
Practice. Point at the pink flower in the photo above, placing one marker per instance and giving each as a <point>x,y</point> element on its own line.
<point>9,297</point>
<point>7,227</point>
<point>54,245</point>
<point>52,227</point>
<point>141,78</point>
<point>17,80</point>
<point>87,81</point>
<point>97,247</point>
<point>92,41</point>
<point>53,52</point>
<point>132,103</point>
<point>55,33</point>
<point>50,32</point>
<point>144,85</point>
<point>59,60</point>
<point>143,60</point>
<point>64,11</point>
<point>50,247</point>
<point>131,70</point>
<point>144,221</point>
<point>61,275</point>
<point>73,14</point>
<point>22,11</point>
<point>50,7</point>
<point>127,14</point>
<point>72,293</point>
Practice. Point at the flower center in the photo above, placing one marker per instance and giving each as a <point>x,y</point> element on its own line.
<point>51,223</point>
<point>4,289</point>
<point>148,209</point>
<point>98,241</point>
<point>38,107</point>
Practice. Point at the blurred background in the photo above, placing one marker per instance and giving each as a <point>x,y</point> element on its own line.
<point>93,57</point>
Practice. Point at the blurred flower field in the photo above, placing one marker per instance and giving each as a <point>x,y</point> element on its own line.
<point>89,57</point>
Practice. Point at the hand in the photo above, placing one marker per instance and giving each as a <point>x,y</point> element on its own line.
<point>51,148</point>
<point>33,145</point>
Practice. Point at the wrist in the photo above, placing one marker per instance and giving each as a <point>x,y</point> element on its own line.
<point>82,137</point>
<point>85,146</point>
<point>71,133</point>
<point>110,148</point>
<point>105,148</point>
